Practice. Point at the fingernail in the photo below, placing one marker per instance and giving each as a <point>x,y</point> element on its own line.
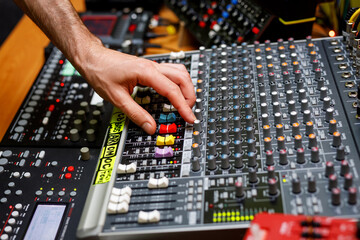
<point>147,127</point>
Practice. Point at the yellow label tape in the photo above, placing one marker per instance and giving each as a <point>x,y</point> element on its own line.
<point>109,150</point>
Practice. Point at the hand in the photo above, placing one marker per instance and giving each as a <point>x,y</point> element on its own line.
<point>114,75</point>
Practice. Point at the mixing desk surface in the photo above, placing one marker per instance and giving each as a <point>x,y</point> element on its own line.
<point>277,131</point>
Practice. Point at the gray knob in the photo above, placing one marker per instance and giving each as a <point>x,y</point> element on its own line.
<point>212,124</point>
<point>304,105</point>
<point>345,168</point>
<point>348,181</point>
<point>329,168</point>
<point>237,134</point>
<point>336,142</point>
<point>298,141</point>
<point>252,175</point>
<point>198,114</point>
<point>312,141</point>
<point>295,184</point>
<point>300,156</point>
<point>196,150</point>
<point>323,92</point>
<point>225,161</point>
<point>315,155</point>
<point>277,118</point>
<point>211,162</point>
<point>311,184</point>
<point>224,123</point>
<point>237,122</point>
<point>237,146</point>
<point>329,114</point>
<point>270,172</point>
<point>199,103</point>
<point>272,186</point>
<point>197,137</point>
<point>81,114</point>
<point>238,160</point>
<point>251,159</point>
<point>332,126</point>
<point>78,124</point>
<point>90,135</point>
<point>85,106</point>
<point>306,116</point>
<point>239,189</point>
<point>269,158</point>
<point>225,147</point>
<point>74,135</point>
<point>279,130</point>
<point>340,153</point>
<point>309,129</point>
<point>197,125</point>
<point>335,196</point>
<point>352,198</point>
<point>276,107</point>
<point>291,106</point>
<point>195,164</point>
<point>224,135</point>
<point>212,148</point>
<point>93,124</point>
<point>85,153</point>
<point>267,143</point>
<point>295,129</point>
<point>96,115</point>
<point>283,157</point>
<point>251,145</point>
<point>326,103</point>
<point>332,182</point>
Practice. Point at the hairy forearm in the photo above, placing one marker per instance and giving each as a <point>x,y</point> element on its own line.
<point>60,22</point>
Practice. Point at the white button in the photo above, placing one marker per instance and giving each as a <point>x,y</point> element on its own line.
<point>152,183</point>
<point>122,207</point>
<point>124,198</point>
<point>131,168</point>
<point>8,229</point>
<point>18,206</point>
<point>42,154</point>
<point>114,198</point>
<point>45,121</point>
<point>121,168</point>
<point>154,216</point>
<point>15,214</point>
<point>143,217</point>
<point>16,174</point>
<point>11,221</point>
<point>111,209</point>
<point>126,190</point>
<point>4,237</point>
<point>116,191</point>
<point>163,182</point>
<point>27,174</point>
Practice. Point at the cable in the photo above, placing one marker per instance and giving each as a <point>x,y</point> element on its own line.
<point>355,15</point>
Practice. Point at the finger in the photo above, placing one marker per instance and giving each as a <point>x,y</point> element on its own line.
<point>181,78</point>
<point>165,87</point>
<point>175,65</point>
<point>136,113</point>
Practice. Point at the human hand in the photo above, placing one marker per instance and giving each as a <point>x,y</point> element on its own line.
<point>114,75</point>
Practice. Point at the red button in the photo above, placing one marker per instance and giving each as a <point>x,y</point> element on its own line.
<point>71,168</point>
<point>51,107</point>
<point>240,39</point>
<point>210,11</point>
<point>255,30</point>
<point>202,24</point>
<point>132,27</point>
<point>68,175</point>
<point>167,128</point>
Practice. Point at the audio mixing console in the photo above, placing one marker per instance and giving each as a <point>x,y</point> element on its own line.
<point>277,131</point>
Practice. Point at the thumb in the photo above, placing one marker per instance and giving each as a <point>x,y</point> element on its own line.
<point>136,113</point>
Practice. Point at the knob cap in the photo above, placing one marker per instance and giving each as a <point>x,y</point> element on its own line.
<point>85,153</point>
<point>239,189</point>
